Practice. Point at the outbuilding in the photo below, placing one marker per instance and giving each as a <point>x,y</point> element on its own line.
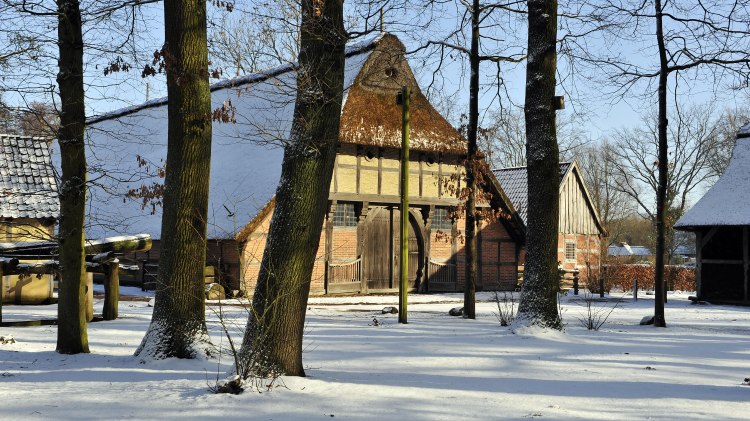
<point>721,223</point>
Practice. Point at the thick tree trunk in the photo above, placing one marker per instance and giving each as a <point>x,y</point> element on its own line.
<point>275,327</point>
<point>541,283</point>
<point>661,189</point>
<point>178,327</point>
<point>470,286</point>
<point>72,337</point>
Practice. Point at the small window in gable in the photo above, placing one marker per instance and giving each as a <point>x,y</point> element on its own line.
<point>570,250</point>
<point>344,216</point>
<point>441,220</point>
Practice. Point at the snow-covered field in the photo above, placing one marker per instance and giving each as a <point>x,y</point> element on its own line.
<point>437,367</point>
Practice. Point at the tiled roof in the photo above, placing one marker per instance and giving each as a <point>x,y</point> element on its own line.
<point>514,183</point>
<point>27,183</point>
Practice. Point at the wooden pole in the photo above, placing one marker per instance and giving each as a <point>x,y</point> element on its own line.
<point>404,260</point>
<point>111,289</point>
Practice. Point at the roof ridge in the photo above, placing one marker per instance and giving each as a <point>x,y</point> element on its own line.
<point>353,49</point>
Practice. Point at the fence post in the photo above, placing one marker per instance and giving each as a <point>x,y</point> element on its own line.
<point>635,289</point>
<point>575,282</point>
<point>111,289</point>
<point>601,287</point>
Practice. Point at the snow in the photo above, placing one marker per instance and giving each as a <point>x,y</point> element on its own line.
<point>728,201</point>
<point>245,157</point>
<point>435,368</point>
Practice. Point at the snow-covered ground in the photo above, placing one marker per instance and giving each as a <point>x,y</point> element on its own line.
<point>437,367</point>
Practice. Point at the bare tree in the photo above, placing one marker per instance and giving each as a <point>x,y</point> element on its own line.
<point>729,123</point>
<point>694,41</point>
<point>254,37</point>
<point>505,142</point>
<point>602,174</point>
<point>695,136</point>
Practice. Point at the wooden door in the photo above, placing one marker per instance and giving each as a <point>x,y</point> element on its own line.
<point>378,249</point>
<point>415,252</point>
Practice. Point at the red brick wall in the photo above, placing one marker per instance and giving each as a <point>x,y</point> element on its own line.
<point>498,270</point>
<point>588,254</point>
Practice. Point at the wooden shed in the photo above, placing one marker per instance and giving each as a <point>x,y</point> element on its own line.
<point>357,253</point>
<point>721,223</point>
<point>29,207</point>
<point>580,229</point>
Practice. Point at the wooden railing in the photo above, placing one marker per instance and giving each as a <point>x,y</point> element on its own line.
<point>441,276</point>
<point>345,273</point>
<point>101,257</point>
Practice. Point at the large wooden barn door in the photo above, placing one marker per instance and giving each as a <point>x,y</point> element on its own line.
<point>381,252</point>
<point>378,249</point>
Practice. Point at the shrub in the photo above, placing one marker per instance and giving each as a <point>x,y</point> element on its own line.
<point>677,278</point>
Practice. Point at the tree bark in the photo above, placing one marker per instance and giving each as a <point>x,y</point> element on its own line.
<point>470,285</point>
<point>275,326</point>
<point>72,337</point>
<point>541,284</point>
<point>662,166</point>
<point>178,327</point>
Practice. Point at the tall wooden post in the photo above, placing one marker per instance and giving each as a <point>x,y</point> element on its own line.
<point>403,99</point>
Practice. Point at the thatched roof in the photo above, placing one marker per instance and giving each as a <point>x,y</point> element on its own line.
<point>371,116</point>
<point>728,201</point>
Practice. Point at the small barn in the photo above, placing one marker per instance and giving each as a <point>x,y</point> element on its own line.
<point>29,208</point>
<point>358,246</point>
<point>721,223</point>
<point>580,229</point>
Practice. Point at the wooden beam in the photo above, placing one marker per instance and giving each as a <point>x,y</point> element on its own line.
<point>699,264</point>
<point>708,236</point>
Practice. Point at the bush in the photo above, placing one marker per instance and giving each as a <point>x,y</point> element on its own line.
<point>678,278</point>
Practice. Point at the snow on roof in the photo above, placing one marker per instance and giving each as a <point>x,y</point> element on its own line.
<point>127,147</point>
<point>624,249</point>
<point>728,201</point>
<point>27,182</point>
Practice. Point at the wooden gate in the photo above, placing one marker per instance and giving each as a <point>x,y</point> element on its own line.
<point>381,252</point>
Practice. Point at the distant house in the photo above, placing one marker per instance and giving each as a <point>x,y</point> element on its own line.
<point>29,207</point>
<point>580,229</point>
<point>624,251</point>
<point>721,223</point>
<point>358,245</point>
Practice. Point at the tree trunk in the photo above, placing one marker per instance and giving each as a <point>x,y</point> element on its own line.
<point>470,285</point>
<point>541,284</point>
<point>275,326</point>
<point>72,337</point>
<point>661,190</point>
<point>178,327</point>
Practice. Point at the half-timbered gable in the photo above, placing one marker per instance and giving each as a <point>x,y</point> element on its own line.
<point>580,229</point>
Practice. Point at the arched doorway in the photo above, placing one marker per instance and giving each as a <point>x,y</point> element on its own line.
<point>381,249</point>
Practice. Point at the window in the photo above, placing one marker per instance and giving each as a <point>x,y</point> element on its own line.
<point>343,215</point>
<point>570,250</point>
<point>441,221</point>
